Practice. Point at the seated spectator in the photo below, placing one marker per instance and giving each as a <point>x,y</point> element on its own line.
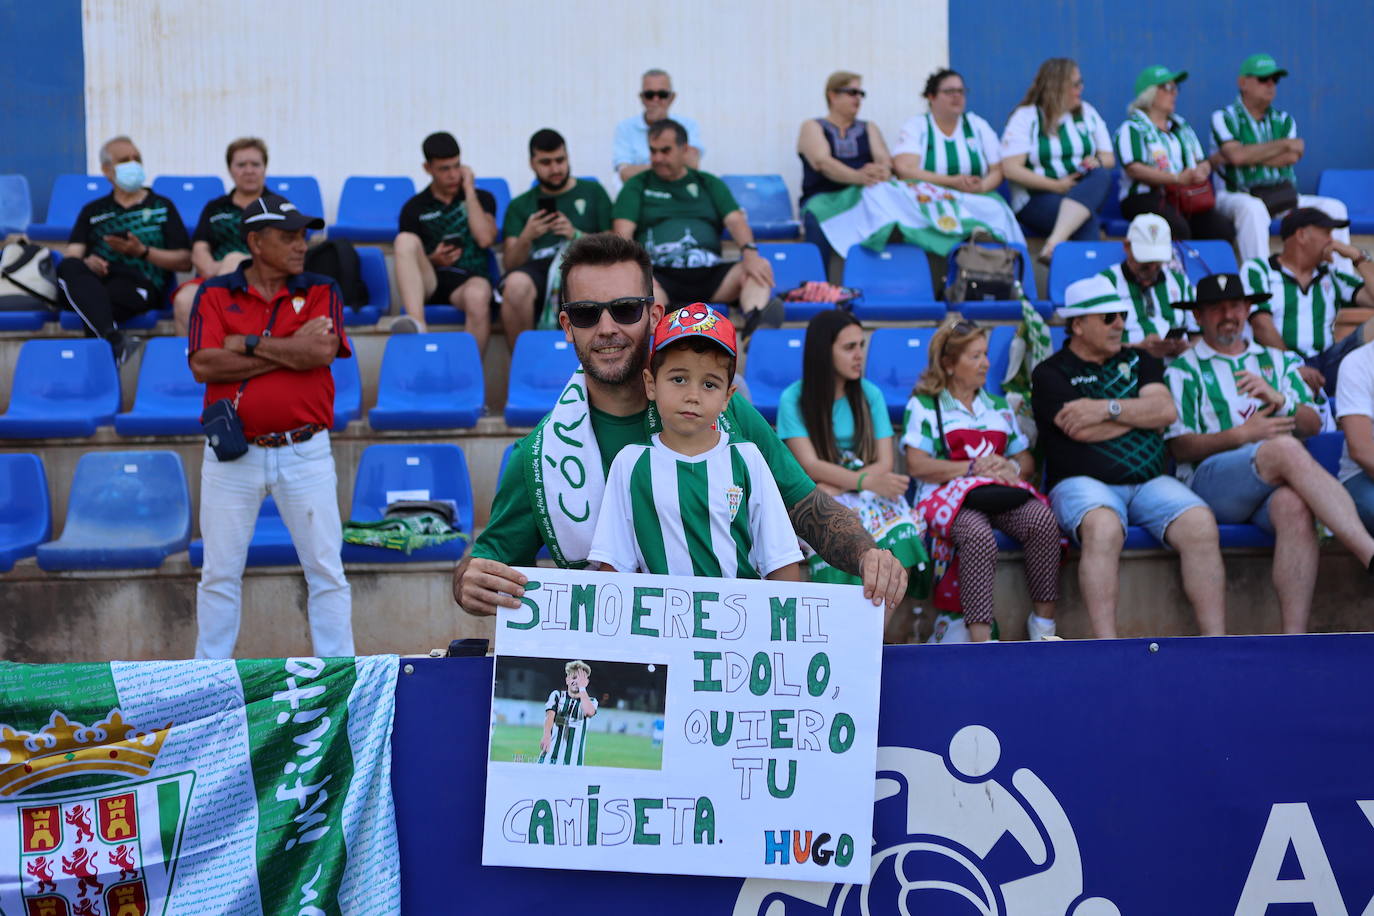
<point>956,431</point>
<point>836,424</point>
<point>1057,154</point>
<point>1355,414</point>
<point>1147,283</point>
<point>1310,305</point>
<point>1239,405</point>
<point>677,214</point>
<point>1255,148</point>
<point>1160,154</point>
<point>630,151</point>
<point>123,250</point>
<point>217,245</point>
<point>839,150</point>
<point>949,145</point>
<point>539,225</point>
<point>441,249</point>
<point>1100,408</point>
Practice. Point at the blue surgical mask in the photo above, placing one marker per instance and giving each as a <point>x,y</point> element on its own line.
<point>129,175</point>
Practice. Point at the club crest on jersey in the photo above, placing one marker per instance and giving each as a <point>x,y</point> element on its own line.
<point>733,497</point>
<point>298,303</point>
<point>692,188</point>
<point>580,206</point>
<point>695,317</point>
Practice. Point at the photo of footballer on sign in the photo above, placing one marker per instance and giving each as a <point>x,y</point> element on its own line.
<point>578,712</point>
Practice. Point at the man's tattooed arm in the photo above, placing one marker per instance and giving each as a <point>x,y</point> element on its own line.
<point>833,531</point>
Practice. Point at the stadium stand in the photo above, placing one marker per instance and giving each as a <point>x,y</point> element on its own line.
<point>168,400</point>
<point>61,388</point>
<point>765,201</point>
<point>775,361</point>
<point>25,515</point>
<point>429,381</point>
<point>540,366</point>
<point>795,263</point>
<point>372,266</point>
<point>16,204</point>
<point>1356,188</point>
<point>190,193</point>
<point>127,510</point>
<point>499,189</point>
<point>896,284</point>
<point>1201,257</point>
<point>429,471</point>
<point>270,545</point>
<point>348,392</point>
<point>369,206</point>
<point>69,194</point>
<point>896,358</point>
<point>1076,260</point>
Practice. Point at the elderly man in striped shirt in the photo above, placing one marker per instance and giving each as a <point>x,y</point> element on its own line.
<point>1239,405</point>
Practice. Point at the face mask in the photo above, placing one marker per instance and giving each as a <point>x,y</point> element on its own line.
<point>129,175</point>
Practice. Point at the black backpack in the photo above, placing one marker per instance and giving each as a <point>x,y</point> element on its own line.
<point>337,259</point>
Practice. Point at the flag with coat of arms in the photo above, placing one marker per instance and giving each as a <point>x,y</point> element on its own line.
<point>926,215</point>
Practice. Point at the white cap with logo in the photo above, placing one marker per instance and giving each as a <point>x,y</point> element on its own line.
<point>1150,238</point>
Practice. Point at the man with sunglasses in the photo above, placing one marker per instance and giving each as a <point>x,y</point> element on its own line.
<point>630,151</point>
<point>552,488</point>
<point>1256,146</point>
<point>1100,408</point>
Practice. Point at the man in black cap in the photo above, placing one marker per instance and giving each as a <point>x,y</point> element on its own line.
<point>1305,287</point>
<point>263,338</point>
<point>1241,406</point>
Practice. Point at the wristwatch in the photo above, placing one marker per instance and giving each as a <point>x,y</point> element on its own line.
<point>250,343</point>
<point>1113,408</point>
<point>749,246</point>
<point>1364,256</point>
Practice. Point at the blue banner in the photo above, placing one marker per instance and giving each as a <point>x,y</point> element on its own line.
<point>1190,776</point>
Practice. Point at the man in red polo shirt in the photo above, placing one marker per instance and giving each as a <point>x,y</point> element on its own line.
<point>264,336</point>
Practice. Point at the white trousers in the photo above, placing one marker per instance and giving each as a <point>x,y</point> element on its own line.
<point>1251,219</point>
<point>301,479</point>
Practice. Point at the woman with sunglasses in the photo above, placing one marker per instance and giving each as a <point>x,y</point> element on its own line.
<point>839,150</point>
<point>965,447</point>
<point>1161,157</point>
<point>1057,154</point>
<point>949,145</point>
<point>836,424</point>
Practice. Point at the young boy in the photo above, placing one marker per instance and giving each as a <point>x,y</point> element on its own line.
<point>565,718</point>
<point>694,503</point>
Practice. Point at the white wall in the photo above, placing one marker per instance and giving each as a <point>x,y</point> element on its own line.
<point>353,86</point>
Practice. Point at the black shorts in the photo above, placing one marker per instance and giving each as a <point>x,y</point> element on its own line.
<point>449,279</point>
<point>538,272</point>
<point>685,285</point>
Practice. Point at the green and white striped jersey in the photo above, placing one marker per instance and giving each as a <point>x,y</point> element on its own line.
<point>973,149</point>
<point>1053,153</point>
<point>1152,310</point>
<point>1234,123</point>
<point>1306,318</point>
<point>717,514</point>
<point>568,740</point>
<point>1172,150</point>
<point>1203,383</point>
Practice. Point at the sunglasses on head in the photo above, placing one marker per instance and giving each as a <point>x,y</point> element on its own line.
<point>849,90</point>
<point>626,310</point>
<point>655,94</point>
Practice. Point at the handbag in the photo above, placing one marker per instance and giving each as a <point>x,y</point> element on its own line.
<point>28,277</point>
<point>1279,197</point>
<point>983,268</point>
<point>988,498</point>
<point>1190,199</point>
<point>220,419</point>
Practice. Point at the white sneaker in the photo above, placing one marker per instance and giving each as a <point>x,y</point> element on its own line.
<point>1039,631</point>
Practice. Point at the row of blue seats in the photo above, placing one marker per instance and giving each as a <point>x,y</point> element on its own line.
<point>131,510</point>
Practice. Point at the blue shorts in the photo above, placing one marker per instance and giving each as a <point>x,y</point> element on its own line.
<point>1153,505</point>
<point>1229,483</point>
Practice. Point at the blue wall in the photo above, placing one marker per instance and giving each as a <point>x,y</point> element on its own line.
<point>998,44</point>
<point>42,93</point>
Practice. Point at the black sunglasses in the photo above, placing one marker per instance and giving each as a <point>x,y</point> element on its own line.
<point>1271,78</point>
<point>1111,317</point>
<point>627,310</point>
<point>859,93</point>
<point>655,94</point>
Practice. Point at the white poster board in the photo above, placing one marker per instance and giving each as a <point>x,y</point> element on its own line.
<point>727,727</point>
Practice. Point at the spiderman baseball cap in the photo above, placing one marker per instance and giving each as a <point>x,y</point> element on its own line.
<point>695,320</point>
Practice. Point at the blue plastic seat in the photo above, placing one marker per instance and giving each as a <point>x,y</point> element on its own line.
<point>169,400</point>
<point>499,189</point>
<point>999,354</point>
<point>1201,257</point>
<point>540,366</point>
<point>271,543</point>
<point>25,514</point>
<point>765,201</point>
<point>69,194</point>
<point>1355,188</point>
<point>1109,215</point>
<point>1138,538</point>
<point>429,381</point>
<point>190,194</point>
<point>370,206</point>
<point>775,361</point>
<point>387,473</point>
<point>372,266</point>
<point>61,388</point>
<point>69,320</point>
<point>16,204</point>
<point>1244,536</point>
<point>127,510</point>
<point>896,358</point>
<point>301,190</point>
<point>795,263</point>
<point>997,310</point>
<point>895,282</point>
<point>348,391</point>
<point>1327,449</point>
<point>1076,260</point>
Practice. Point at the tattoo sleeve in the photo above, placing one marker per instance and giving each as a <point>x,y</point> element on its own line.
<point>832,531</point>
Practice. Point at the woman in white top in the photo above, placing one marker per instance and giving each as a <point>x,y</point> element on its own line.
<point>1057,153</point>
<point>949,145</point>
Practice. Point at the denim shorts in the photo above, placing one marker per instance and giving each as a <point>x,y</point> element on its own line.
<point>1153,505</point>
<point>1229,483</point>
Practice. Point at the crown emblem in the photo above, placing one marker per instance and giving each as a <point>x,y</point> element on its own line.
<point>63,747</point>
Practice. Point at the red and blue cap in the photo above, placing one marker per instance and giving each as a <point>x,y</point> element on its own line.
<point>695,320</point>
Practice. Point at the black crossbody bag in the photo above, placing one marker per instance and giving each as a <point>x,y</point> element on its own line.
<point>989,498</point>
<point>220,420</point>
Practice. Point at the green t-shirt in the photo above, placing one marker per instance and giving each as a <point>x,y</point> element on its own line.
<point>586,205</point>
<point>512,535</point>
<point>678,222</point>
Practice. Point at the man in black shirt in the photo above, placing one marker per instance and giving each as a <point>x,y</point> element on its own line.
<point>123,249</point>
<point>1100,409</point>
<point>441,249</point>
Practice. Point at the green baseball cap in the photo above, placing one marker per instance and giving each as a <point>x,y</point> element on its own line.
<point>1261,65</point>
<point>1158,75</point>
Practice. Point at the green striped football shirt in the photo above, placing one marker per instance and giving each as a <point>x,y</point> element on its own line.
<point>1057,152</point>
<point>1235,123</point>
<point>972,150</point>
<point>1203,383</point>
<point>717,514</point>
<point>1306,318</point>
<point>1152,310</point>
<point>1139,140</point>
<point>568,740</point>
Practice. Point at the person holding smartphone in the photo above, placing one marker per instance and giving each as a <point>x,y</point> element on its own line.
<point>1153,288</point>
<point>539,225</point>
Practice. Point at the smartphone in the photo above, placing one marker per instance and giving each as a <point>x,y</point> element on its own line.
<point>1175,333</point>
<point>455,240</point>
<point>548,205</point>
